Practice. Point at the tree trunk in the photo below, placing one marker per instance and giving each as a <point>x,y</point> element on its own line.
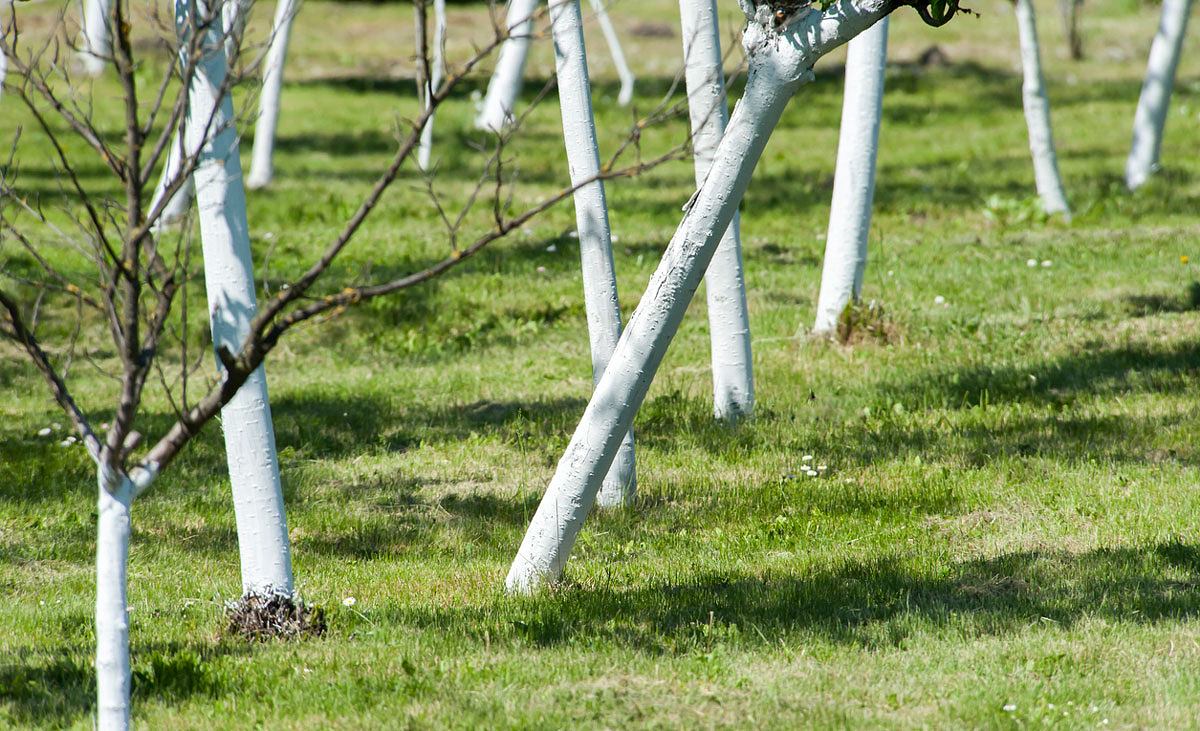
<point>437,73</point>
<point>591,221</point>
<point>1069,9</point>
<point>614,48</point>
<point>725,286</point>
<point>854,178</point>
<point>96,42</point>
<point>261,169</point>
<point>229,280</point>
<point>176,208</point>
<point>1151,116</point>
<point>780,61</point>
<point>1037,115</point>
<point>505,86</point>
<point>113,677</point>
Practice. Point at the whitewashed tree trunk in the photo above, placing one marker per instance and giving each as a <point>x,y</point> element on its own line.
<point>780,61</point>
<point>1037,115</point>
<point>6,15</point>
<point>591,220</point>
<point>505,85</point>
<point>1151,117</point>
<point>113,679</point>
<point>229,280</point>
<point>436,73</point>
<point>96,41</point>
<point>261,170</point>
<point>725,285</point>
<point>618,55</point>
<point>179,204</point>
<point>854,177</point>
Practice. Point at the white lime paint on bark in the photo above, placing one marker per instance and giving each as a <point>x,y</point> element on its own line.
<point>96,41</point>
<point>229,280</point>
<point>591,221</point>
<point>112,616</point>
<point>1037,115</point>
<point>6,10</point>
<point>1151,117</point>
<point>854,177</point>
<point>618,55</point>
<point>779,63</point>
<point>437,72</point>
<point>724,283</point>
<point>505,85</point>
<point>261,169</point>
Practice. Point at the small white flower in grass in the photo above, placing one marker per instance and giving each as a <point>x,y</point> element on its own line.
<point>349,601</point>
<point>1031,263</point>
<point>807,458</point>
<point>67,442</point>
<point>614,238</point>
<point>552,248</point>
<point>822,468</point>
<point>939,300</point>
<point>811,473</point>
<point>891,273</point>
<point>541,270</point>
<point>1047,263</point>
<point>1010,707</point>
<point>44,431</point>
<point>1104,722</point>
<point>573,234</point>
<point>269,235</point>
<point>56,426</point>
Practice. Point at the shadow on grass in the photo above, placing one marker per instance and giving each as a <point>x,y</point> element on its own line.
<point>879,603</point>
<point>55,688</point>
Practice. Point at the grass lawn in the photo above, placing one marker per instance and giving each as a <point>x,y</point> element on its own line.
<point>1006,534</point>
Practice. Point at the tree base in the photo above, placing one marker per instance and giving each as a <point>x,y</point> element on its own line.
<point>273,615</point>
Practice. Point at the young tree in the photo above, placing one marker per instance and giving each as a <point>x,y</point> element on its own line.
<point>499,104</point>
<point>1037,115</point>
<point>854,177</point>
<point>781,50</point>
<point>1069,10</point>
<point>1151,117</point>
<point>261,170</point>
<point>129,287</point>
<point>436,74</point>
<point>591,222</point>
<point>724,282</point>
<point>96,42</point>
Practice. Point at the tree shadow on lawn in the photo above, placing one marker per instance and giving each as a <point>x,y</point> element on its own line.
<point>55,686</point>
<point>872,603</point>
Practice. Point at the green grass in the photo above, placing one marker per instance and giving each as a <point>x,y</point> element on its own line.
<point>1009,512</point>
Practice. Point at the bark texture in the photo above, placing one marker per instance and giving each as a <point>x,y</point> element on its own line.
<point>724,283</point>
<point>113,679</point>
<point>854,178</point>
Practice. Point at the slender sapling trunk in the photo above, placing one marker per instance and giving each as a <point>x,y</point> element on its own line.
<point>618,55</point>
<point>1037,115</point>
<point>591,221</point>
<point>113,677</point>
<point>505,85</point>
<point>854,178</point>
<point>96,41</point>
<point>436,74</point>
<point>725,285</point>
<point>261,170</point>
<point>1151,117</point>
<point>229,280</point>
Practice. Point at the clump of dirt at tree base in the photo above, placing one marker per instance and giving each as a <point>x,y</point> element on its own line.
<point>274,615</point>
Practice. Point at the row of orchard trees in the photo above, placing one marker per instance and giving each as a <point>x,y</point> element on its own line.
<point>198,155</point>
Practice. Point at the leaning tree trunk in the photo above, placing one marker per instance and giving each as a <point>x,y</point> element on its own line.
<point>591,221</point>
<point>502,91</point>
<point>725,285</point>
<point>780,61</point>
<point>229,280</point>
<point>113,679</point>
<point>1069,9</point>
<point>1151,117</point>
<point>618,55</point>
<point>96,40</point>
<point>854,178</point>
<point>436,73</point>
<point>1037,115</point>
<point>261,170</point>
